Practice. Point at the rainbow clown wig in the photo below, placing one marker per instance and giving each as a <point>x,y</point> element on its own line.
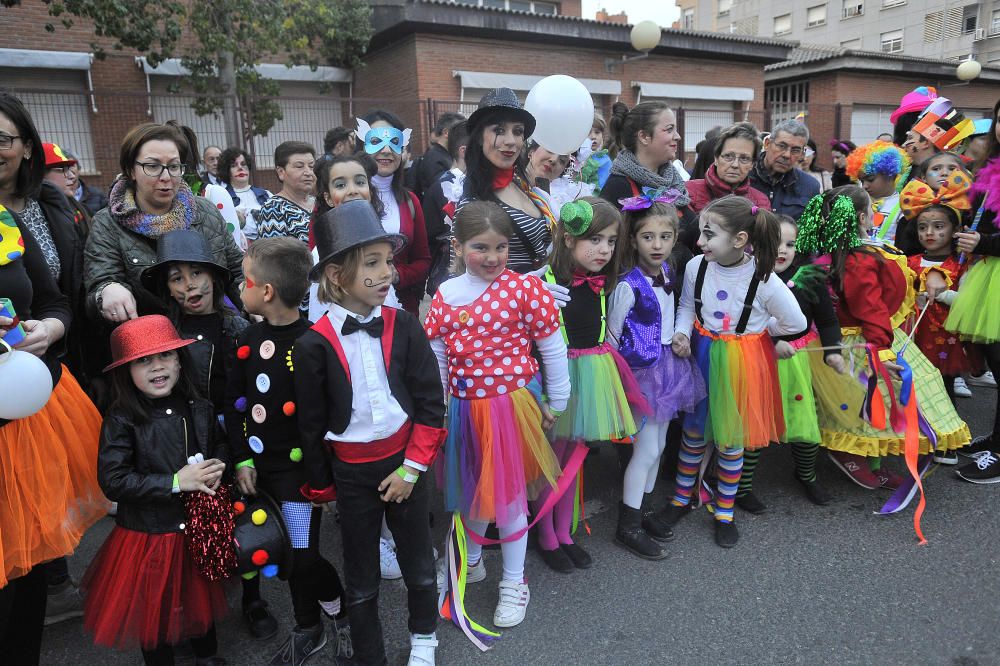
<point>879,158</point>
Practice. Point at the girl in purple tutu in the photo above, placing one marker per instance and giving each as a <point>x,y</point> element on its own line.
<point>641,322</point>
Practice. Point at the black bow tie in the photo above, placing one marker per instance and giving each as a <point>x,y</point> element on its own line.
<point>660,280</point>
<point>373,328</point>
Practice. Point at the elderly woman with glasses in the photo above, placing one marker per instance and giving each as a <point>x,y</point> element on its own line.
<point>736,149</point>
<point>148,199</point>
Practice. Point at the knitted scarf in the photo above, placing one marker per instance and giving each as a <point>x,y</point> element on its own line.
<point>718,188</point>
<point>126,211</point>
<point>627,165</point>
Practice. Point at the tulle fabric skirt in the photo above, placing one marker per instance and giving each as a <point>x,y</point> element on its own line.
<point>744,407</point>
<point>839,398</point>
<point>671,385</point>
<point>604,396</point>
<point>797,399</point>
<point>974,314</point>
<point>48,479</point>
<point>496,456</point>
<point>144,590</point>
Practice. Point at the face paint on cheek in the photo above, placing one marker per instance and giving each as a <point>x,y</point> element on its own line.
<point>250,284</point>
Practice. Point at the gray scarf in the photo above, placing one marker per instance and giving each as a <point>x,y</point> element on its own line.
<point>627,165</point>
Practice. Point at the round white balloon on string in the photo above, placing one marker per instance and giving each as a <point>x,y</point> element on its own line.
<point>27,381</point>
<point>563,111</point>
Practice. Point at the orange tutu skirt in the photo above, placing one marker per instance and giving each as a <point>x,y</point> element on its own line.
<point>48,480</point>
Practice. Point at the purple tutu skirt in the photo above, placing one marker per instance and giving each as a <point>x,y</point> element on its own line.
<point>671,385</point>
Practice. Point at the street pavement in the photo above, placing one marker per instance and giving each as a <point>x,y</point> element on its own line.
<point>806,585</point>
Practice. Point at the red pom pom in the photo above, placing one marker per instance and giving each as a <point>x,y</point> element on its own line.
<point>288,408</point>
<point>259,557</point>
<point>219,206</point>
<point>239,508</point>
<point>243,353</point>
<point>209,533</point>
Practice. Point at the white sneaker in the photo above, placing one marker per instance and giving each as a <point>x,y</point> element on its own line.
<point>961,388</point>
<point>513,604</point>
<point>985,379</point>
<point>474,574</point>
<point>422,648</point>
<point>387,561</point>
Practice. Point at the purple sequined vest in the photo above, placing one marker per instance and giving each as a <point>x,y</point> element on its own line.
<point>640,343</point>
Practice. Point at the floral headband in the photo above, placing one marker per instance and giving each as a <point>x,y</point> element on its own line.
<point>917,196</point>
<point>839,230</point>
<point>648,197</point>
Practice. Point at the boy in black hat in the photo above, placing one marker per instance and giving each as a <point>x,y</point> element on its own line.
<point>368,388</point>
<point>262,420</point>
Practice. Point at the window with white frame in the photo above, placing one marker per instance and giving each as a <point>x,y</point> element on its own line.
<point>550,8</point>
<point>970,19</point>
<point>892,41</point>
<point>868,121</point>
<point>782,24</point>
<point>724,7</point>
<point>853,8</point>
<point>816,16</point>
<point>886,4</point>
<point>687,19</point>
<point>787,100</point>
<point>60,106</point>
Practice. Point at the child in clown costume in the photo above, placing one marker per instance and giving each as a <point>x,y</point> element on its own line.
<point>881,168</point>
<point>875,295</point>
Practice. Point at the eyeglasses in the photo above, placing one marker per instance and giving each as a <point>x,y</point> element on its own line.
<point>733,157</point>
<point>61,169</point>
<point>155,169</point>
<point>7,140</point>
<point>785,148</point>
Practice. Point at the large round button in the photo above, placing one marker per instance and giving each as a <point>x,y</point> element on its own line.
<point>266,349</point>
<point>263,383</point>
<point>256,445</point>
<point>258,413</point>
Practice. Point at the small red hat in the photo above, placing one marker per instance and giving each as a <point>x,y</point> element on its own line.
<point>144,336</point>
<point>55,157</point>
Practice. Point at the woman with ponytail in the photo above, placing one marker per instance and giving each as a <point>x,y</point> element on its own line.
<point>733,302</point>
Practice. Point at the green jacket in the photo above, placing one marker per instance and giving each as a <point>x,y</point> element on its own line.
<point>116,254</point>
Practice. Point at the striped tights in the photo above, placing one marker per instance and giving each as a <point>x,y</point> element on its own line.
<point>730,466</point>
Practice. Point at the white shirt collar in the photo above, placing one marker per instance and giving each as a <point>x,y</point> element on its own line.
<point>338,314</point>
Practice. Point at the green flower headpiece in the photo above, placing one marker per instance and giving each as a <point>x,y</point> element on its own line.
<point>576,217</point>
<point>839,230</point>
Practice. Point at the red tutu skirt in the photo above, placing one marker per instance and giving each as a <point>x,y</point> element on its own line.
<point>144,590</point>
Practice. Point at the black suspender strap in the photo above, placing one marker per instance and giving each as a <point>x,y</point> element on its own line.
<point>698,284</point>
<point>741,326</point>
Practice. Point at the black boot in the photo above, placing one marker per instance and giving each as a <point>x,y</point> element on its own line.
<point>816,493</point>
<point>654,524</point>
<point>631,536</point>
<point>751,503</point>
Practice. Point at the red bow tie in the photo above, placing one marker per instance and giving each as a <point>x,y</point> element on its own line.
<point>596,282</point>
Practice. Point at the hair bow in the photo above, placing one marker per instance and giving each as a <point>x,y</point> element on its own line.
<point>917,196</point>
<point>648,197</point>
<point>576,217</point>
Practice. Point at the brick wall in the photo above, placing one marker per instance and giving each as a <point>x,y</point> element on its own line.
<point>571,8</point>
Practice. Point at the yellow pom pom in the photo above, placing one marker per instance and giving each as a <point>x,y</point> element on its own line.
<point>258,517</point>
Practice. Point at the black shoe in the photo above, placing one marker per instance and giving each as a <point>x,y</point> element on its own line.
<point>726,534</point>
<point>556,559</point>
<point>946,457</point>
<point>816,493</point>
<point>977,446</point>
<point>985,469</point>
<point>210,661</point>
<point>655,525</point>
<point>259,620</point>
<point>581,559</point>
<point>632,537</point>
<point>343,646</point>
<point>751,504</point>
<point>671,514</point>
<point>302,644</point>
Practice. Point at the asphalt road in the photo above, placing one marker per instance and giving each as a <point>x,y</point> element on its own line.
<point>806,584</point>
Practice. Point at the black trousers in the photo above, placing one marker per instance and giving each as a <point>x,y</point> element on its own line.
<point>22,616</point>
<point>313,579</point>
<point>361,511</point>
<point>163,655</point>
<point>992,354</point>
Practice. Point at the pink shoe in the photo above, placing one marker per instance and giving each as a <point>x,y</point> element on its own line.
<point>856,468</point>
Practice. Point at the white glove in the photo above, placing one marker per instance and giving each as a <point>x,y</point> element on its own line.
<point>559,293</point>
<point>947,297</point>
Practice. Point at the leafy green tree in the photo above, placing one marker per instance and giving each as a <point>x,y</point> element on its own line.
<point>220,41</point>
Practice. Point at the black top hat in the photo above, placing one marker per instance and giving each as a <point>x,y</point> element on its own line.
<point>183,245</point>
<point>261,527</point>
<point>349,225</point>
<point>503,102</point>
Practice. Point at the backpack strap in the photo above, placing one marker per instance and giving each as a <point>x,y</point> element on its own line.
<point>741,325</point>
<point>699,283</point>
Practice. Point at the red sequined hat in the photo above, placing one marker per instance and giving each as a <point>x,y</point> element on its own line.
<point>140,337</point>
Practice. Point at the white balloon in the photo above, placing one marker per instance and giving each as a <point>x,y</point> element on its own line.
<point>27,382</point>
<point>563,111</point>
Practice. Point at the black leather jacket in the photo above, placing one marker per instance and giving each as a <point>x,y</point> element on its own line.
<point>204,354</point>
<point>137,462</point>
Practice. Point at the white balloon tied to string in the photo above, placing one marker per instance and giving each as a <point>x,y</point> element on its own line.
<point>28,373</point>
<point>563,111</point>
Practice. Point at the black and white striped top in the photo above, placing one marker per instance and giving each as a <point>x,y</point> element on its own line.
<point>535,230</point>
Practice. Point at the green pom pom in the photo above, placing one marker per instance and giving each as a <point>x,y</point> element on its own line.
<point>295,454</point>
<point>249,575</point>
<point>837,231</point>
<point>576,217</point>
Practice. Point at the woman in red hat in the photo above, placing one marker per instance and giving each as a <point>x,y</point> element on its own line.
<point>159,449</point>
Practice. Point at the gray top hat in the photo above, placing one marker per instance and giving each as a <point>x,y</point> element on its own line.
<point>348,226</point>
<point>501,101</point>
<point>183,245</point>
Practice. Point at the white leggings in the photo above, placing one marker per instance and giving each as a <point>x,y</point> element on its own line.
<point>640,475</point>
<point>513,551</point>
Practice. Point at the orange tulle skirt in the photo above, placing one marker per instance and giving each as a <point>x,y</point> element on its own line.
<point>48,480</point>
